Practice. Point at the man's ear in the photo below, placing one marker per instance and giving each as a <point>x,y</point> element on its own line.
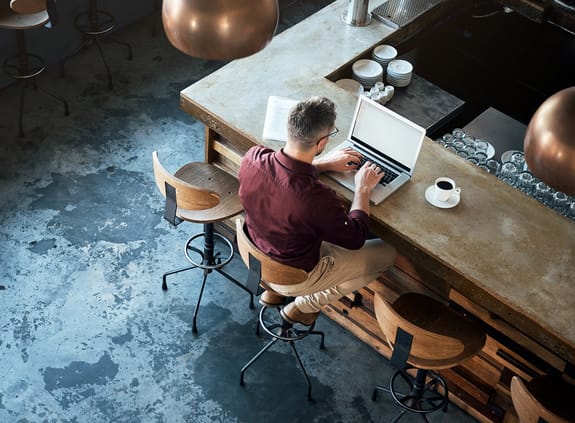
<point>321,144</point>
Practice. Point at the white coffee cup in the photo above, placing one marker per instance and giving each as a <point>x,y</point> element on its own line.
<point>445,188</point>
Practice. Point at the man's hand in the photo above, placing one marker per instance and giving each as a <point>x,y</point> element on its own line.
<point>368,176</point>
<point>366,179</point>
<point>339,161</point>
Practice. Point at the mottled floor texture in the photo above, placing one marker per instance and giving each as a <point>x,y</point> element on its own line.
<point>87,334</point>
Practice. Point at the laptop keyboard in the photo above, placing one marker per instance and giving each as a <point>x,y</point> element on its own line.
<point>388,175</point>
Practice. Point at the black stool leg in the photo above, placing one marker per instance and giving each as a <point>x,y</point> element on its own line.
<point>108,71</point>
<point>194,327</point>
<point>293,348</point>
<point>21,111</point>
<point>123,43</point>
<point>172,272</point>
<point>255,358</point>
<point>55,97</point>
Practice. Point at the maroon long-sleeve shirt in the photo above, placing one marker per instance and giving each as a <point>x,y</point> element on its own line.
<point>289,211</point>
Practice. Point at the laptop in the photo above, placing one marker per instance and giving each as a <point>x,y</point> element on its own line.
<point>386,138</point>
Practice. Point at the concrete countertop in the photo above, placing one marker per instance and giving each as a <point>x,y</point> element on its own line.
<point>500,248</point>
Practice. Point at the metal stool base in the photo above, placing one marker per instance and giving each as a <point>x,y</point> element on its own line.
<point>208,262</point>
<point>417,394</point>
<point>92,25</point>
<point>25,67</point>
<point>285,332</point>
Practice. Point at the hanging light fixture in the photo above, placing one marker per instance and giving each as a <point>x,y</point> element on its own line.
<point>550,141</point>
<point>220,29</point>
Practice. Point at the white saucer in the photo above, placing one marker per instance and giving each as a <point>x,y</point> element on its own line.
<point>430,197</point>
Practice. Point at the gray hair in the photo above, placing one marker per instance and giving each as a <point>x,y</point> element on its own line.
<point>310,120</point>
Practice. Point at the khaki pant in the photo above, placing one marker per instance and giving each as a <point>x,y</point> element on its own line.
<point>338,273</point>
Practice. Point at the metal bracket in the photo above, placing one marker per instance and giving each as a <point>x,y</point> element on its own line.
<point>254,276</point>
<point>401,348</point>
<point>171,206</point>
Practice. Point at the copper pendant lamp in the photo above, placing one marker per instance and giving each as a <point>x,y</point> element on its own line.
<point>220,29</point>
<point>550,141</point>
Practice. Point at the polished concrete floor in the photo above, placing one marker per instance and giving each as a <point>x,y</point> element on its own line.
<point>87,334</point>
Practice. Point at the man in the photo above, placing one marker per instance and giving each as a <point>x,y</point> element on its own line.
<point>296,219</point>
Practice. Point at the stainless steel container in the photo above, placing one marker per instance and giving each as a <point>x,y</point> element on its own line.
<point>357,13</point>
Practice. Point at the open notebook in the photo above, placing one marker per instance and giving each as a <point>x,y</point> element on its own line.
<point>386,138</point>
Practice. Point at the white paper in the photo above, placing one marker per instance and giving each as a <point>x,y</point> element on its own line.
<point>277,112</point>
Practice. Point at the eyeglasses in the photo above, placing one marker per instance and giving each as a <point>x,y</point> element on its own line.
<point>331,134</point>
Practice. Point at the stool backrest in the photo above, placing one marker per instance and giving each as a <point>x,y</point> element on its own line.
<point>528,408</point>
<point>187,196</point>
<point>271,270</point>
<point>428,349</point>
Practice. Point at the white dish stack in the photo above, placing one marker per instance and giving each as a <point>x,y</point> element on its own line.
<point>367,72</point>
<point>399,73</point>
<point>383,54</point>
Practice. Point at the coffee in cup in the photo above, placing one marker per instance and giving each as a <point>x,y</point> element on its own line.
<point>445,188</point>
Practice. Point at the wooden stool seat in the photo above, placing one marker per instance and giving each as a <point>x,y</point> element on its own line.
<point>28,6</point>
<point>211,178</point>
<point>549,398</point>
<point>9,19</point>
<point>426,335</point>
<point>446,339</point>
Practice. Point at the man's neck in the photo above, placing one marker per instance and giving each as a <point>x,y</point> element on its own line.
<point>302,156</point>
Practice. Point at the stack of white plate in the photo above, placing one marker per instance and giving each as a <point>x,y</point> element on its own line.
<point>383,54</point>
<point>367,72</point>
<point>399,73</point>
<point>350,85</point>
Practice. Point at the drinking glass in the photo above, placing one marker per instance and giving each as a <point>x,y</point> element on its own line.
<point>480,156</point>
<point>525,183</point>
<point>448,138</point>
<point>467,152</point>
<point>493,166</point>
<point>570,211</point>
<point>469,141</point>
<point>458,133</point>
<point>472,159</point>
<point>519,159</point>
<point>543,193</point>
<point>508,172</point>
<point>458,144</point>
<point>481,145</point>
<point>560,201</point>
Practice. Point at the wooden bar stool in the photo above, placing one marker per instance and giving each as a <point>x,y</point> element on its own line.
<point>424,335</point>
<point>545,399</point>
<point>200,193</point>
<point>25,66</point>
<point>263,269</point>
<point>93,24</point>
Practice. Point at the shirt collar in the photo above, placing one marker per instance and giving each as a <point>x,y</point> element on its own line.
<point>296,165</point>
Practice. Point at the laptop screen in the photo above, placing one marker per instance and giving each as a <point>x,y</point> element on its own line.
<point>386,133</point>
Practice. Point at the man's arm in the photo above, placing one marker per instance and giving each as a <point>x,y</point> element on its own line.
<point>366,179</point>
